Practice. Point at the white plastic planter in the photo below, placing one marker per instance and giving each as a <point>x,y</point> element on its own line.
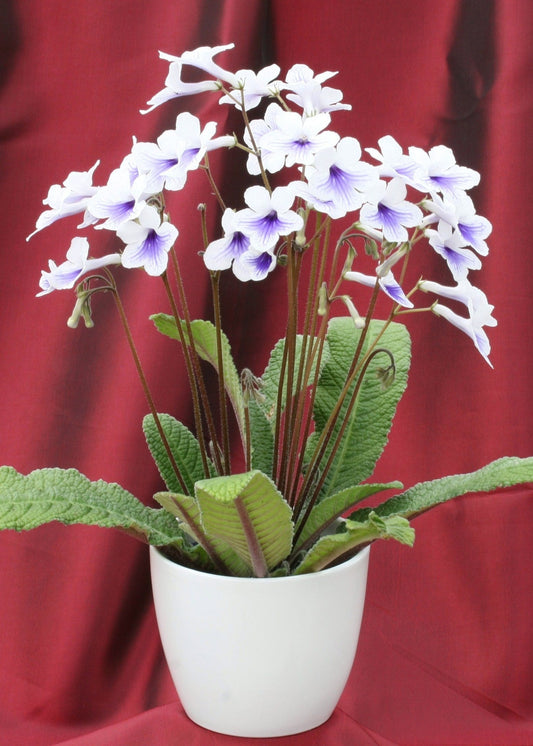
<point>259,657</point>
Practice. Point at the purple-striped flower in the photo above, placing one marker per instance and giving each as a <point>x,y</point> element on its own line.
<point>69,199</point>
<point>460,214</point>
<point>479,311</point>
<point>339,177</point>
<point>115,202</point>
<point>77,264</point>
<point>298,138</point>
<point>451,246</point>
<point>387,283</point>
<point>387,210</point>
<point>438,172</point>
<point>253,265</point>
<point>148,241</point>
<point>221,253</point>
<point>268,216</point>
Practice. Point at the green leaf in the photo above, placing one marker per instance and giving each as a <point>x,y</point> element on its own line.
<point>332,507</point>
<point>504,472</point>
<point>272,374</point>
<point>248,513</point>
<point>205,344</point>
<point>210,554</point>
<point>184,447</point>
<point>369,423</point>
<point>67,496</point>
<point>262,436</point>
<point>332,547</point>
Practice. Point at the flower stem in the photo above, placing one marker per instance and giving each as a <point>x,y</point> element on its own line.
<point>222,399</point>
<point>146,388</point>
<point>311,501</point>
<point>307,356</point>
<point>294,263</point>
<point>327,432</point>
<point>194,373</point>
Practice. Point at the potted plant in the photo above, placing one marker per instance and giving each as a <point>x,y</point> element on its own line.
<point>259,572</point>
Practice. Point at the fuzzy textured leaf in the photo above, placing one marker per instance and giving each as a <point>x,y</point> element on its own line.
<point>211,554</point>
<point>332,507</point>
<point>184,447</point>
<point>262,439</point>
<point>250,514</point>
<point>272,374</point>
<point>331,547</point>
<point>370,421</point>
<point>205,343</point>
<point>504,472</point>
<point>65,495</point>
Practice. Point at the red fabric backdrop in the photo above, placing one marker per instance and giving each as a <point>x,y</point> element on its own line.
<point>446,650</point>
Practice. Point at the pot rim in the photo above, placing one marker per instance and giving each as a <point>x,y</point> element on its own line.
<point>360,557</point>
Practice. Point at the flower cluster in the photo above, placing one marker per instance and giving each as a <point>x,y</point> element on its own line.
<point>328,216</point>
<point>397,199</point>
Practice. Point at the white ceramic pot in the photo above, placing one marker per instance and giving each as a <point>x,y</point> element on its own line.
<point>259,657</point>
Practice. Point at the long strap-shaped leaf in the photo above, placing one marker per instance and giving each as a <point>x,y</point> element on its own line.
<point>65,495</point>
<point>332,547</point>
<point>367,427</point>
<point>272,374</point>
<point>205,342</point>
<point>332,507</point>
<point>184,447</point>
<point>504,472</point>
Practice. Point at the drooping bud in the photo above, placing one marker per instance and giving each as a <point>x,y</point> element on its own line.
<point>358,320</point>
<point>323,301</point>
<point>300,239</point>
<point>82,309</point>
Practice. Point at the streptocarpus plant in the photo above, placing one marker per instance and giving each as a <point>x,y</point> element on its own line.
<point>314,423</point>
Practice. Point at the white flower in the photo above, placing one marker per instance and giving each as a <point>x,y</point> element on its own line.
<point>321,201</point>
<point>178,151</point>
<point>221,253</point>
<point>250,87</point>
<point>386,282</point>
<point>387,210</point>
<point>268,216</point>
<point>307,91</point>
<point>272,161</point>
<point>148,242</point>
<point>479,311</point>
<point>69,199</point>
<point>202,59</point>
<point>298,138</point>
<point>115,201</point>
<point>253,265</point>
<point>302,75</point>
<point>394,163</point>
<point>460,214</point>
<point>77,264</point>
<point>438,172</point>
<point>451,246</point>
<point>339,178</point>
